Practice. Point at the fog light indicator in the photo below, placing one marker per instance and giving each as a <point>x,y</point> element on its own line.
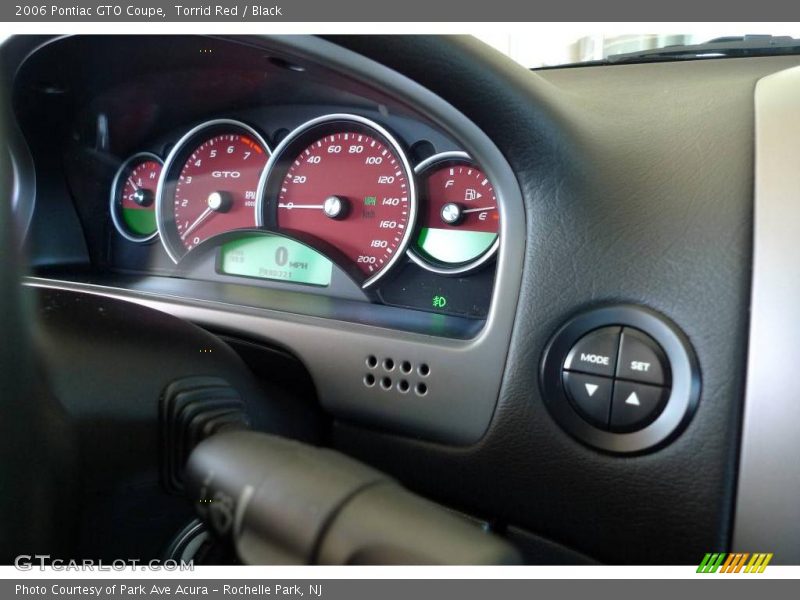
<point>439,302</point>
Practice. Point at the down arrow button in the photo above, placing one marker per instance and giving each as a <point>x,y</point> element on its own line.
<point>590,396</point>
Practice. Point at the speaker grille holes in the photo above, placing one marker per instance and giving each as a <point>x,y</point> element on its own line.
<point>409,375</point>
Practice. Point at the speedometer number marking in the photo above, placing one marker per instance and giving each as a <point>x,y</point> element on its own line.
<point>347,189</point>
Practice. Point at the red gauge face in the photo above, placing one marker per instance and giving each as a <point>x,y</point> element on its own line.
<point>351,191</point>
<point>216,188</point>
<point>136,202</point>
<point>459,223</point>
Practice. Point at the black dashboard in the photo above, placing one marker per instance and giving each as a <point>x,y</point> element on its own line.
<point>359,233</point>
<point>489,255</point>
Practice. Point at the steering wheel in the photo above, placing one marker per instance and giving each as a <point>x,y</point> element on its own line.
<point>35,448</point>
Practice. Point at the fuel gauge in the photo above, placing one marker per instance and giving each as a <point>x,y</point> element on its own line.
<point>459,217</point>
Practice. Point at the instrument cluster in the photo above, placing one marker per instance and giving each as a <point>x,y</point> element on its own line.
<point>339,191</point>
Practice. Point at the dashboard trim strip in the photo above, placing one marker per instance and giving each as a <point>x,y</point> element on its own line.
<point>767,513</point>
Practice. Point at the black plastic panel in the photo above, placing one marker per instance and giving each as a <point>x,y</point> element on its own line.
<point>638,187</point>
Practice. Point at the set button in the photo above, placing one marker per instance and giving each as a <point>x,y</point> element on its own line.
<point>617,378</point>
<point>641,359</point>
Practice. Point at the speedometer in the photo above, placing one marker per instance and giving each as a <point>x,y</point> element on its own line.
<point>208,185</point>
<point>342,184</point>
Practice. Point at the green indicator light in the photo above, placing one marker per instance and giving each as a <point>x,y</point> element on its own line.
<point>277,258</point>
<point>439,302</point>
<point>140,221</point>
<point>370,201</point>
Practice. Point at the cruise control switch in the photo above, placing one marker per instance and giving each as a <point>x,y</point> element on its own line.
<point>283,502</point>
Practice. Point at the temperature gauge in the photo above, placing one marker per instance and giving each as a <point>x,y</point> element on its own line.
<point>133,196</point>
<point>459,216</point>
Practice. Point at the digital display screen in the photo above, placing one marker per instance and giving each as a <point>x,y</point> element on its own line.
<point>275,257</point>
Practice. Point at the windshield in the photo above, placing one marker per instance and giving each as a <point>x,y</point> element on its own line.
<point>571,46</point>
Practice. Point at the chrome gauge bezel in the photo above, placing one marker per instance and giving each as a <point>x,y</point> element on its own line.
<point>428,263</point>
<point>176,159</point>
<point>114,205</point>
<point>297,138</point>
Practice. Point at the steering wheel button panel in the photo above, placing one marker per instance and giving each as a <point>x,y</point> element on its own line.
<point>622,379</point>
<point>641,359</point>
<point>595,353</point>
<point>590,395</point>
<point>635,405</point>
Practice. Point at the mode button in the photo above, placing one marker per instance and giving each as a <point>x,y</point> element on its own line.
<point>595,353</point>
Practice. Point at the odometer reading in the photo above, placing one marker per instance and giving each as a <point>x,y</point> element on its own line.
<point>345,188</point>
<point>270,256</point>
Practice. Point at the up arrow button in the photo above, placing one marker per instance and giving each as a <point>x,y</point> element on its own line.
<point>635,405</point>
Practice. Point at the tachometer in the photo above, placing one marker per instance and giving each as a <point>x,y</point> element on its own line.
<point>133,195</point>
<point>459,219</point>
<point>342,184</point>
<point>209,184</point>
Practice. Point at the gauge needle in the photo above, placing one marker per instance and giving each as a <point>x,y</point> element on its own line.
<point>292,205</point>
<point>472,210</point>
<point>133,185</point>
<point>203,216</point>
